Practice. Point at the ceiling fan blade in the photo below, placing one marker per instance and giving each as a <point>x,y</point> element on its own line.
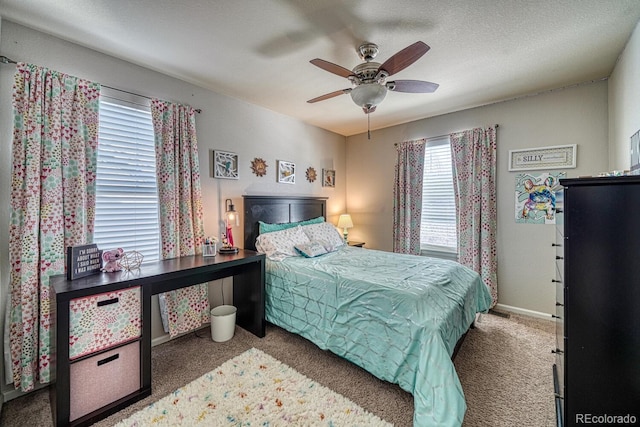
<point>412,86</point>
<point>404,58</point>
<point>331,67</point>
<point>329,95</point>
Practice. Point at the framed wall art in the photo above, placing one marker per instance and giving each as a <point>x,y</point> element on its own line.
<point>328,178</point>
<point>286,172</point>
<point>536,197</point>
<point>225,164</point>
<point>552,157</point>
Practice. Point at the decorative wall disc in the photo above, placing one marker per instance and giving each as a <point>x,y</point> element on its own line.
<point>311,174</point>
<point>259,166</point>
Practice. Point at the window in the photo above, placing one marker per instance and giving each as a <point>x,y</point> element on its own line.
<point>438,236</point>
<point>126,190</point>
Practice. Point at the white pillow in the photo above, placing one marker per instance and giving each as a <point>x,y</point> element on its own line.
<point>311,250</point>
<point>278,245</point>
<point>324,233</point>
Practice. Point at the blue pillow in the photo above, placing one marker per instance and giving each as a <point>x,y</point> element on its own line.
<point>268,228</point>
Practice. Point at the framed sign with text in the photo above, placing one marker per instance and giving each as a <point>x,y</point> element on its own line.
<point>83,260</point>
<point>552,157</point>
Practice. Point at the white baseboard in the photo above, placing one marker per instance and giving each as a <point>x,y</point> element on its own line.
<point>160,340</point>
<point>166,337</point>
<point>523,311</point>
<point>13,393</point>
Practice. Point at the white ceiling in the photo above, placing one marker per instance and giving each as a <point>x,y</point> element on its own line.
<point>482,51</point>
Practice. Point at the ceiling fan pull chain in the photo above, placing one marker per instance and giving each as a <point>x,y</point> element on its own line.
<point>369,126</point>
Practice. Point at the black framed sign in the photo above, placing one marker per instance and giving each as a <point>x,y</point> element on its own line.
<point>83,260</point>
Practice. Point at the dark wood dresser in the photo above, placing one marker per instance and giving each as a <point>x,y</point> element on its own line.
<point>597,369</point>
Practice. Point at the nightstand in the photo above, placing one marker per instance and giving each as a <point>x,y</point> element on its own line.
<point>358,244</point>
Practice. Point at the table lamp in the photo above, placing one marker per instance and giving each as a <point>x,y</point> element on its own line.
<point>345,222</point>
<point>231,218</point>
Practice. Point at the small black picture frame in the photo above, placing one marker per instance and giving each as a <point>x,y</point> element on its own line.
<point>83,260</point>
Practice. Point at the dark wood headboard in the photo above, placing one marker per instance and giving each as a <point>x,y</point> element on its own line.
<point>278,210</point>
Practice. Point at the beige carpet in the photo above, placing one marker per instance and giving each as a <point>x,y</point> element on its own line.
<point>504,366</point>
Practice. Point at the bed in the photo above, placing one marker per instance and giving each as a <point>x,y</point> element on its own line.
<point>400,317</point>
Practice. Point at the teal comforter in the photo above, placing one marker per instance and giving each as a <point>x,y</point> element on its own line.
<point>397,316</point>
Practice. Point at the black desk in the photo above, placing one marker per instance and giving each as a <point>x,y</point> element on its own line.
<point>247,267</point>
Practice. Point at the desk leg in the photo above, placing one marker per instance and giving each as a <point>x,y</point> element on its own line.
<point>248,297</point>
<point>145,350</point>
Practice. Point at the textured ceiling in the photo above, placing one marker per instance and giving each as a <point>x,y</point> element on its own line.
<point>482,51</point>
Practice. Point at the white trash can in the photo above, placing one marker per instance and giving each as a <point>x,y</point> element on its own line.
<point>223,322</point>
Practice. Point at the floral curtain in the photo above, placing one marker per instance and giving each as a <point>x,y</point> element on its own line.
<point>474,154</point>
<point>55,141</point>
<point>181,221</point>
<point>407,196</point>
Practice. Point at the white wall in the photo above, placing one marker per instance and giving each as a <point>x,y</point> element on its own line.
<point>576,115</point>
<point>225,123</point>
<point>624,103</point>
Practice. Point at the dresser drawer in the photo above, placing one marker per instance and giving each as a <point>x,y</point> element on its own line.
<point>560,264</point>
<point>559,292</point>
<point>102,321</point>
<point>559,282</point>
<point>102,379</point>
<point>559,246</point>
<point>560,333</point>
<point>560,378</point>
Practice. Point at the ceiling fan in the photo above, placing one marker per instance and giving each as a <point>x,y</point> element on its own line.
<point>369,78</point>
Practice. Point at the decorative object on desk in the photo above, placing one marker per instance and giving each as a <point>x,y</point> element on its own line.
<point>311,174</point>
<point>231,219</point>
<point>112,260</point>
<point>553,157</point>
<point>225,165</point>
<point>613,173</point>
<point>635,154</point>
<point>536,198</point>
<point>254,388</point>
<point>131,260</point>
<point>226,250</point>
<point>83,260</point>
<point>209,248</point>
<point>259,166</point>
<point>286,172</point>
<point>345,223</point>
<point>328,178</point>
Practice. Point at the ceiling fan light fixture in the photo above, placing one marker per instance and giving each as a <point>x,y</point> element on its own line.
<point>368,95</point>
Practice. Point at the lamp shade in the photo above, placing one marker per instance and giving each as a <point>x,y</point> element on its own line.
<point>231,215</point>
<point>368,95</point>
<point>345,221</point>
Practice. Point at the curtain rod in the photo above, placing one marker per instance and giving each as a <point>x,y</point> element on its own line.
<point>5,60</point>
<point>442,136</point>
<point>197,110</point>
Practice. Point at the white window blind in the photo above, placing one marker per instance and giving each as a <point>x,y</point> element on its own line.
<point>126,190</point>
<point>438,234</point>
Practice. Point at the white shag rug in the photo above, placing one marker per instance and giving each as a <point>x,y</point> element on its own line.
<point>253,389</point>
